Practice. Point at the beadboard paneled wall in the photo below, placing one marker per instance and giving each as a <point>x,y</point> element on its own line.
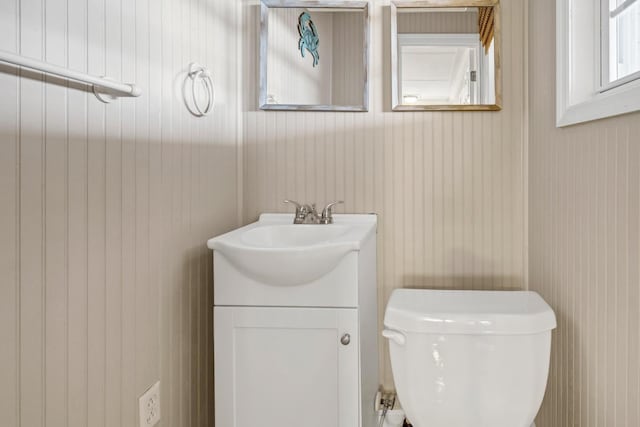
<point>106,281</point>
<point>584,249</point>
<point>347,73</point>
<point>448,186</point>
<point>438,22</point>
<point>313,87</point>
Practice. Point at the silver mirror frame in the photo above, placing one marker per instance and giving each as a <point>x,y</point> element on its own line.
<point>265,5</point>
<point>414,4</point>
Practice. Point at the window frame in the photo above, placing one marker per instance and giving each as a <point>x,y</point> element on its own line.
<point>581,96</point>
<point>605,41</point>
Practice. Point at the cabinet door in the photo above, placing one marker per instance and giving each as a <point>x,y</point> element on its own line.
<point>278,367</point>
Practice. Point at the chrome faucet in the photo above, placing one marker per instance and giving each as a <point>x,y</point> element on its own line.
<point>307,214</point>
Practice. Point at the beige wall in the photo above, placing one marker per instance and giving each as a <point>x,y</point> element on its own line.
<point>584,248</point>
<point>448,186</point>
<point>308,85</point>
<point>105,280</point>
<point>438,22</point>
<point>347,73</point>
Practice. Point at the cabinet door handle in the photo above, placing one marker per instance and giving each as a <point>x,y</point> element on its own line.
<point>345,339</point>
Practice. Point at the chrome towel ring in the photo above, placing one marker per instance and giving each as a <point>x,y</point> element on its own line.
<point>200,75</point>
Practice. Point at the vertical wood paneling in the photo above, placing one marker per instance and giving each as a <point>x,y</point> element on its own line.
<point>56,293</point>
<point>32,308</point>
<point>448,187</point>
<point>96,221</point>
<point>438,22</point>
<point>128,199</point>
<point>9,224</point>
<point>156,230</point>
<point>106,280</point>
<point>346,70</point>
<point>77,208</point>
<point>584,211</point>
<point>113,223</point>
<point>145,374</point>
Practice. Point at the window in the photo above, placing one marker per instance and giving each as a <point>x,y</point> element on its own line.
<point>598,59</point>
<point>620,21</point>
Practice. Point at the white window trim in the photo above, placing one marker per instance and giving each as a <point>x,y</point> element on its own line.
<point>578,68</point>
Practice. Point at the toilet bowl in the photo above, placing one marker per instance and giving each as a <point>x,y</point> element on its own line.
<point>469,358</point>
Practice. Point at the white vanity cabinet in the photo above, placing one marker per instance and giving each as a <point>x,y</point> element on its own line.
<point>305,354</point>
<point>286,367</point>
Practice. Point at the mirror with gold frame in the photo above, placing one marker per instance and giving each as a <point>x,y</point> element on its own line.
<point>445,55</point>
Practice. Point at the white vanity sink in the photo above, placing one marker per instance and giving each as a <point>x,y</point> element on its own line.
<point>275,252</point>
<point>274,262</point>
<point>296,305</point>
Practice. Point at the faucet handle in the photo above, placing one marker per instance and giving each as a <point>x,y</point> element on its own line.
<point>327,213</point>
<point>301,211</point>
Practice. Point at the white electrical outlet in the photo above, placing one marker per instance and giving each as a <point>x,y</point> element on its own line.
<point>149,404</point>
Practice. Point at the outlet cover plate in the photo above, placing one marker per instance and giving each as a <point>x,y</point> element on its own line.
<point>149,404</point>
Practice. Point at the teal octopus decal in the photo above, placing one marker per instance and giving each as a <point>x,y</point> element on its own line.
<point>309,39</point>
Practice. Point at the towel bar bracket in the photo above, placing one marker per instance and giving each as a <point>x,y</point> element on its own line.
<point>103,94</point>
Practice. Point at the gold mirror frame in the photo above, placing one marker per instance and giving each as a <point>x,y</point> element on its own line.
<point>412,4</point>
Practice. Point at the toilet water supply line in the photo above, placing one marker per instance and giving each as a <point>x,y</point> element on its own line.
<point>387,402</point>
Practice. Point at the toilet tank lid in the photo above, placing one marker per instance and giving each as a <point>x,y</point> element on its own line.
<point>468,312</point>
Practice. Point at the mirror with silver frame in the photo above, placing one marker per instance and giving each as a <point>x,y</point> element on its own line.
<point>314,55</point>
<point>445,55</point>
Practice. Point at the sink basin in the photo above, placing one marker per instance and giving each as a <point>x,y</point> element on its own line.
<point>275,252</point>
<point>292,236</point>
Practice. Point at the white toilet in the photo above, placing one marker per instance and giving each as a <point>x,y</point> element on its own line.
<point>469,358</point>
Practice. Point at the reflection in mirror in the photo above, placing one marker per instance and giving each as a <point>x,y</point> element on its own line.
<point>445,57</point>
<point>313,58</point>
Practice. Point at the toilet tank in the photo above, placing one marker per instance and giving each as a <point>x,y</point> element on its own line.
<point>462,358</point>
